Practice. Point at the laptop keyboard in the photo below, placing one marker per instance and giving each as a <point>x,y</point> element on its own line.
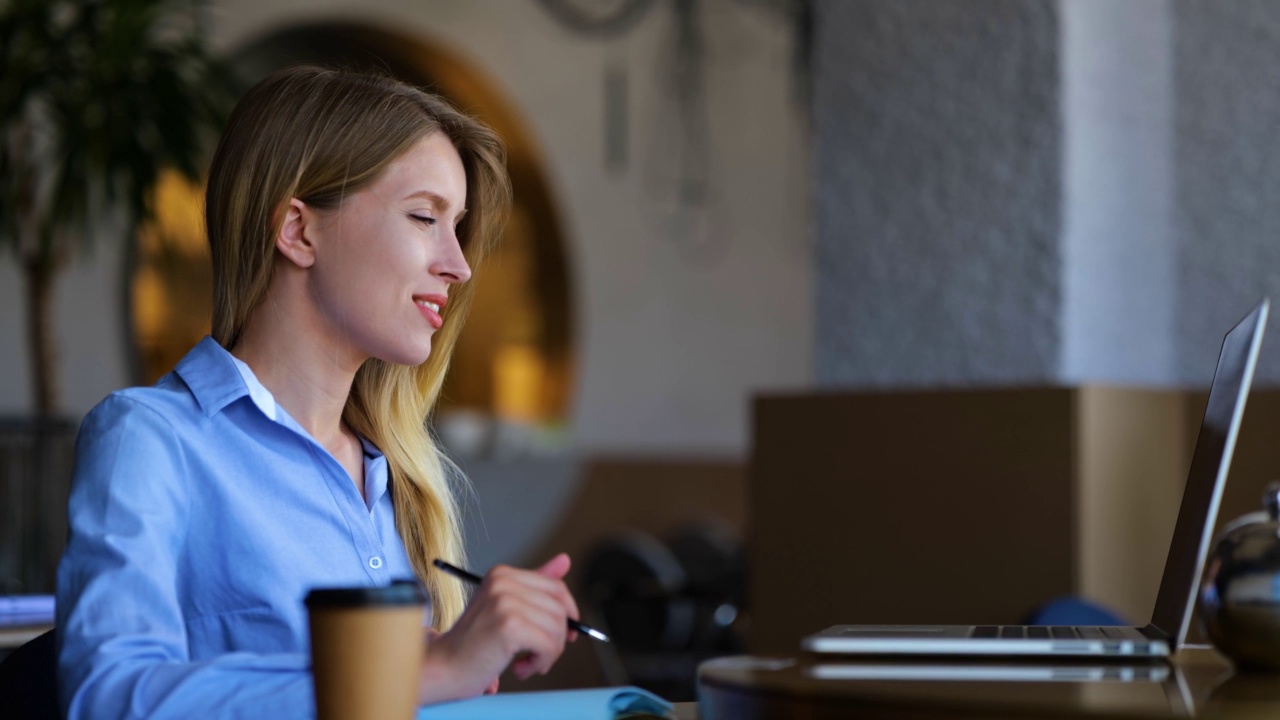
<point>1049,632</point>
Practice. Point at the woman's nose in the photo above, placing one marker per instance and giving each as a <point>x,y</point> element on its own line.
<point>452,265</point>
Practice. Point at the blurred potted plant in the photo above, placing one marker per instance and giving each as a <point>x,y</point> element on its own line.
<point>96,98</point>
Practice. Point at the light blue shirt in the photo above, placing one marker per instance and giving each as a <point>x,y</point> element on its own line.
<point>201,514</point>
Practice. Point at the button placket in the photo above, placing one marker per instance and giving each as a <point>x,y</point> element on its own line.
<point>346,496</point>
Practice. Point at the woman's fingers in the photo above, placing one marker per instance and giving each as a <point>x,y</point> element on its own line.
<point>532,620</point>
<point>557,567</point>
<point>522,667</point>
<point>533,643</point>
<point>516,618</point>
<point>549,604</point>
<point>466,660</point>
<point>550,595</point>
<point>549,578</point>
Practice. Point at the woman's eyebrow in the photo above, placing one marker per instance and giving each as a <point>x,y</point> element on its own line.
<point>436,198</point>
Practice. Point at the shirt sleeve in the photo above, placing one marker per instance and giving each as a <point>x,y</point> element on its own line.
<point>121,630</point>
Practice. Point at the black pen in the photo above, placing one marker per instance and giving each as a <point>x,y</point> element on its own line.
<point>475,579</point>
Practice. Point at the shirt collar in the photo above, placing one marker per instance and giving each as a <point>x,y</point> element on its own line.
<point>377,474</point>
<point>258,392</point>
<point>217,378</point>
<point>211,374</point>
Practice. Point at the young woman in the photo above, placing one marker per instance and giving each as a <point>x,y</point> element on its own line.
<point>289,451</point>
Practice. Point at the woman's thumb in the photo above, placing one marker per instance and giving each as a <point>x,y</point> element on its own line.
<point>557,567</point>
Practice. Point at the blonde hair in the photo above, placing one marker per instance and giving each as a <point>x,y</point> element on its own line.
<point>318,135</point>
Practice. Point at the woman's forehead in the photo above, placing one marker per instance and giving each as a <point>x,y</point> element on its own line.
<point>431,170</point>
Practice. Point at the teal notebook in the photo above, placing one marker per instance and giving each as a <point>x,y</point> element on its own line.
<point>592,704</point>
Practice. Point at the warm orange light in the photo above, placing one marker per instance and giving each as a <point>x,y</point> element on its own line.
<point>518,372</point>
<point>171,284</point>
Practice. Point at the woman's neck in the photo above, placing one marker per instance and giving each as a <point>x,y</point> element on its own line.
<point>309,376</point>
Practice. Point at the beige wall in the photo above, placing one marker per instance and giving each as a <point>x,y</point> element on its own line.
<point>1129,478</point>
<point>670,347</point>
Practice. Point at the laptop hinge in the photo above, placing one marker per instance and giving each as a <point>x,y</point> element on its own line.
<point>1154,633</point>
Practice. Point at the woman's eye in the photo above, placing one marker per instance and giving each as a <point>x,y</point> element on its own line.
<point>424,219</point>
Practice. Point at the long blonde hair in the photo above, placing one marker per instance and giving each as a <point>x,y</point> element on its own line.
<point>318,135</point>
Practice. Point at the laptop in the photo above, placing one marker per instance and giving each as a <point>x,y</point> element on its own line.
<point>1150,685</point>
<point>1183,568</point>
<point>1022,671</point>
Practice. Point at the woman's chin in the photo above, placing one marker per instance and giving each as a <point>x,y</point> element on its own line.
<point>407,354</point>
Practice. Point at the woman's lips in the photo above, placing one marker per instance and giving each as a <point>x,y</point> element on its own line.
<point>430,306</point>
<point>432,316</point>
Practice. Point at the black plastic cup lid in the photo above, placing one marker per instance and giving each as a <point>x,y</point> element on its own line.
<point>398,593</point>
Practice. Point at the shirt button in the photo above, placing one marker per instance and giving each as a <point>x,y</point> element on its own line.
<point>375,562</point>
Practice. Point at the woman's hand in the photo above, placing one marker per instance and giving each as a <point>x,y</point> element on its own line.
<point>516,615</point>
<point>433,633</point>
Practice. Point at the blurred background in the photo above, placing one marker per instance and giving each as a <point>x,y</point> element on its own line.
<point>724,200</point>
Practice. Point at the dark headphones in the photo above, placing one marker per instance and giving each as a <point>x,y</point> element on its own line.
<point>666,604</point>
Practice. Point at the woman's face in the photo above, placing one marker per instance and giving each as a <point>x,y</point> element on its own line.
<point>386,259</point>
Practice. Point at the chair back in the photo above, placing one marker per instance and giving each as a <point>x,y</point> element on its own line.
<point>28,680</point>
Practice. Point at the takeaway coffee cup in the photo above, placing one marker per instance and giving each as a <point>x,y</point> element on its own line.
<point>366,651</point>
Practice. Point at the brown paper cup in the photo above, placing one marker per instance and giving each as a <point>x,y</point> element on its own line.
<point>366,651</point>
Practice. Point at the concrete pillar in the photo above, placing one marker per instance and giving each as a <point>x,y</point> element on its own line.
<point>1017,192</point>
<point>1118,249</point>
<point>938,143</point>
<point>1227,191</point>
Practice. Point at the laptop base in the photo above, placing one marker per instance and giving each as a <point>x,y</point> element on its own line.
<point>989,640</point>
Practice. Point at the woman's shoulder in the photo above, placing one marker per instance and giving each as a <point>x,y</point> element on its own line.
<point>174,398</point>
<point>141,427</point>
<point>168,402</point>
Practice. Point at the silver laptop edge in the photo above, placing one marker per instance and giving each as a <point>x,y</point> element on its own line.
<point>979,672</point>
<point>1220,480</point>
<point>1171,617</point>
<point>833,640</point>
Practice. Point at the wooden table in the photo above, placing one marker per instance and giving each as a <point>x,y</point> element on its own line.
<point>1198,683</point>
<point>14,636</point>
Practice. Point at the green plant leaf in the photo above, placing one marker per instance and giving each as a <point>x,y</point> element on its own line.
<point>123,88</point>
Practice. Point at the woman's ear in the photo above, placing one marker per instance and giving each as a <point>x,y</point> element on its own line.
<point>294,241</point>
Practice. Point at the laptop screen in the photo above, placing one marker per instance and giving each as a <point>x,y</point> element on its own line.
<point>1208,475</point>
